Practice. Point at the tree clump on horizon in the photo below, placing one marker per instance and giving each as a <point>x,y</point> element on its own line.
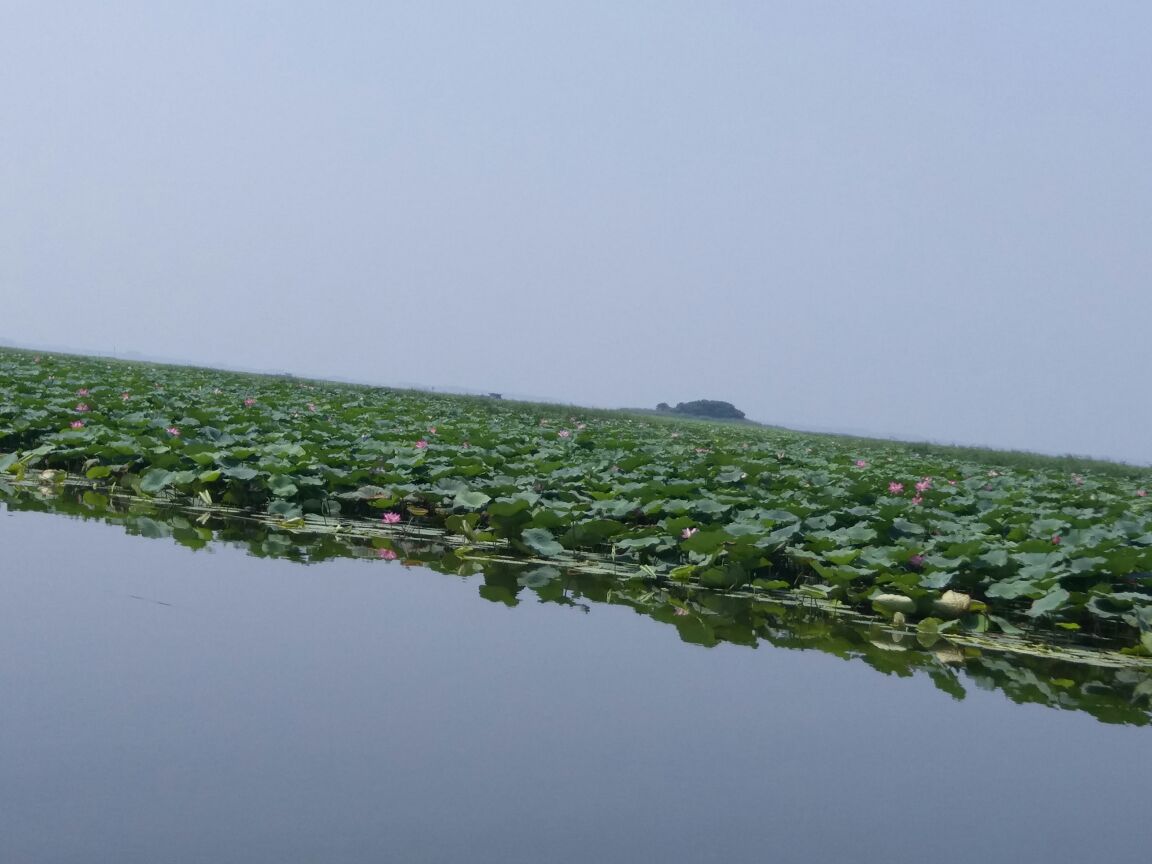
<point>713,408</point>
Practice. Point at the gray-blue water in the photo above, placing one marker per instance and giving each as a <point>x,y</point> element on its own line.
<point>164,705</point>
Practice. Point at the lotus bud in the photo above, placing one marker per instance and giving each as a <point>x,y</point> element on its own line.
<point>952,604</point>
<point>893,603</point>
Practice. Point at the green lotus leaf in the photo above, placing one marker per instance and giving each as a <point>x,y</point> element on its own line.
<point>541,541</point>
<point>239,472</point>
<point>938,579</point>
<point>282,486</point>
<point>285,510</point>
<point>1049,603</point>
<point>154,480</point>
<point>470,500</point>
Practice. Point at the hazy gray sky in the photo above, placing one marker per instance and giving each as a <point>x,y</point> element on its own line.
<point>925,219</point>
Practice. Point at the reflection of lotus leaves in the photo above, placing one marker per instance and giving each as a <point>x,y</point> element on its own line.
<point>1111,687</point>
<point>888,646</point>
<point>950,655</point>
<point>538,577</point>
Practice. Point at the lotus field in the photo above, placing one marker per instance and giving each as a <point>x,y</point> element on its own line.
<point>929,539</point>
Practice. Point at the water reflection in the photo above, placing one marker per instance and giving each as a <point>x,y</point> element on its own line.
<point>1111,692</point>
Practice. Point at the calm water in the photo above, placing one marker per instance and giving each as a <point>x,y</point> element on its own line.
<point>159,704</point>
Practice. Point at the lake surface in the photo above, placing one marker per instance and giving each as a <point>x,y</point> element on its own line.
<point>165,704</point>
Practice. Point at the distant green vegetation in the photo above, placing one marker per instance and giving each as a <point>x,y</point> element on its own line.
<point>1020,459</point>
<point>945,538</point>
<point>713,409</point>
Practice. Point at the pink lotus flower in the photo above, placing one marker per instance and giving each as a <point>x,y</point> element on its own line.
<point>249,402</point>
<point>77,424</point>
<point>421,444</point>
<point>174,431</point>
<point>386,554</point>
<point>1055,539</point>
<point>465,444</point>
<point>860,463</point>
<point>1141,493</point>
<point>951,482</point>
<point>564,433</point>
<point>688,532</point>
<point>680,611</point>
<point>916,562</point>
<point>896,488</point>
<point>125,396</point>
<point>390,518</point>
<point>431,430</point>
<point>924,485</point>
<point>311,406</point>
<point>917,499</point>
<point>83,391</point>
<point>82,407</point>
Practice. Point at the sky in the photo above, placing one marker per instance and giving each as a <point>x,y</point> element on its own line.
<point>924,220</point>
